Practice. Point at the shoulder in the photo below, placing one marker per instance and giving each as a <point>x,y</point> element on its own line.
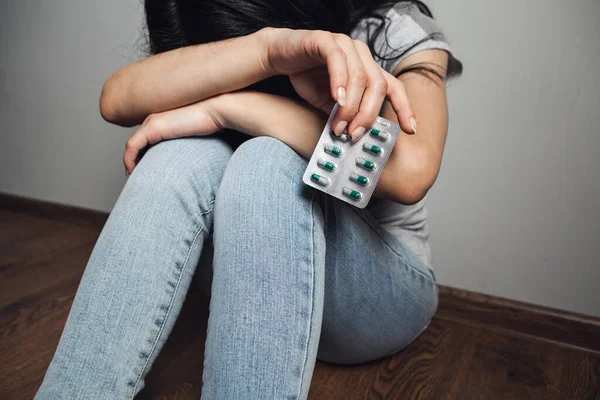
<point>406,30</point>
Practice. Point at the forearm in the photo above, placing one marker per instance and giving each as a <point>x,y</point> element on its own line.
<point>183,76</point>
<point>300,127</point>
<point>261,114</point>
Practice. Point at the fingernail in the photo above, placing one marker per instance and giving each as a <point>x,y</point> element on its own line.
<point>358,132</point>
<point>339,128</point>
<point>413,124</point>
<point>342,96</point>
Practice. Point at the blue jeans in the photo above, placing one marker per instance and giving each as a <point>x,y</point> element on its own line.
<point>296,276</point>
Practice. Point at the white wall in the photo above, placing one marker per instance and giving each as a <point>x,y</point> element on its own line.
<point>514,211</point>
<point>54,57</point>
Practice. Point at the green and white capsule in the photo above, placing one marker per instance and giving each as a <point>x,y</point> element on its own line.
<point>328,165</point>
<point>342,138</point>
<point>333,150</point>
<point>373,149</point>
<point>319,180</point>
<point>366,164</point>
<point>361,180</point>
<point>379,134</point>
<point>353,194</point>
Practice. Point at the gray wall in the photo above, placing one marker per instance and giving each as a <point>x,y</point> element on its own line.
<point>514,210</point>
<point>54,57</point>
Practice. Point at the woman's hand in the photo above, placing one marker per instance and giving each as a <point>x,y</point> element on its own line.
<point>254,113</point>
<point>195,120</point>
<point>324,67</point>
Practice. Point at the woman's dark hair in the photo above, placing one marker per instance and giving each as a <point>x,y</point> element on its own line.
<point>178,23</point>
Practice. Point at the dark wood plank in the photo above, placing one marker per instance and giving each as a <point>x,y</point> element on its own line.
<point>508,367</point>
<point>39,263</point>
<point>429,368</point>
<point>517,318</point>
<point>342,381</point>
<point>453,361</point>
<point>58,212</point>
<point>581,376</point>
<point>18,228</point>
<point>30,328</point>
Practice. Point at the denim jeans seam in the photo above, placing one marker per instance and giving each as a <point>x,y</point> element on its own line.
<point>392,248</point>
<point>312,308</point>
<point>173,295</point>
<point>210,209</point>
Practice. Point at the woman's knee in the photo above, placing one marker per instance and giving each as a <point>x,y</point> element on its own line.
<point>264,170</point>
<point>270,156</point>
<point>190,169</point>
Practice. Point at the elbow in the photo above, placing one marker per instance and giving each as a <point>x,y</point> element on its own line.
<point>414,180</point>
<point>107,108</point>
<point>109,104</point>
<point>409,194</point>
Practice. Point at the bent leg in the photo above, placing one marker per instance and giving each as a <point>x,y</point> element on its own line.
<point>139,272</point>
<point>267,290</point>
<point>378,295</point>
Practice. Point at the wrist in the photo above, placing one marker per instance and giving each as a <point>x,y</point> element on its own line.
<point>219,107</point>
<point>267,40</point>
<point>240,111</point>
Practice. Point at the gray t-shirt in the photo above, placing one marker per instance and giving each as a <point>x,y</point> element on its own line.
<point>405,26</point>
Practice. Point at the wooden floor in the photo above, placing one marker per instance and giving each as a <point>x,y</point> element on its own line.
<point>462,355</point>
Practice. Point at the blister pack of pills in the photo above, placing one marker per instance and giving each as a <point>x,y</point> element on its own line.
<point>348,170</point>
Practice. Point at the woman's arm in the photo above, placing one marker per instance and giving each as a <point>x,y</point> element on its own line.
<point>183,76</point>
<point>405,179</point>
<point>253,113</point>
<point>190,74</point>
<point>187,75</point>
<point>261,114</point>
<point>416,160</point>
<point>413,165</point>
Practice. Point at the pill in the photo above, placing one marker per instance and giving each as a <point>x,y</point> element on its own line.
<point>353,194</point>
<point>379,134</point>
<point>361,180</point>
<point>342,138</point>
<point>366,164</point>
<point>319,180</point>
<point>334,151</point>
<point>371,148</point>
<point>328,165</point>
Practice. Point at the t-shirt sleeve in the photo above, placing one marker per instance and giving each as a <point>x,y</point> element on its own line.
<point>407,31</point>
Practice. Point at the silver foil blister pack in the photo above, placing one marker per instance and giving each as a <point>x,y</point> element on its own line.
<point>350,171</point>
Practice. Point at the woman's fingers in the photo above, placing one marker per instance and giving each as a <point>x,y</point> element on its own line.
<point>313,86</point>
<point>368,85</point>
<point>133,146</point>
<point>357,82</point>
<point>202,118</point>
<point>323,45</point>
<point>398,98</point>
<point>145,135</point>
<point>373,97</point>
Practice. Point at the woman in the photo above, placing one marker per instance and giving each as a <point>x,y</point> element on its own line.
<point>296,275</point>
